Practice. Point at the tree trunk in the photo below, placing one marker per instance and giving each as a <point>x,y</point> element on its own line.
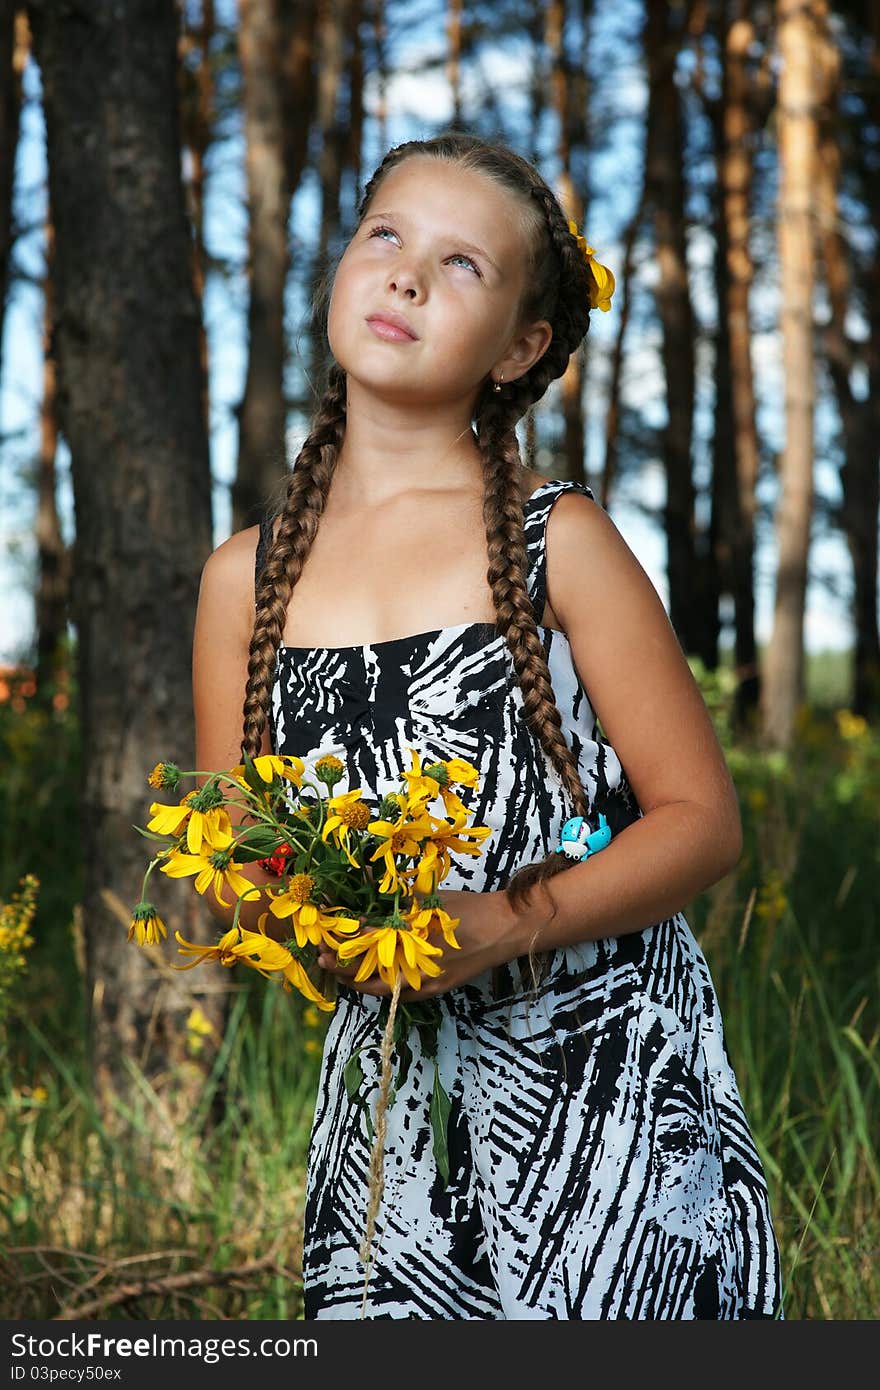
<point>333,118</point>
<point>688,597</point>
<point>53,557</point>
<point>453,58</point>
<point>14,45</point>
<point>859,475</point>
<point>126,345</point>
<point>262,414</point>
<point>570,117</point>
<point>736,435</point>
<point>783,686</point>
<point>197,126</point>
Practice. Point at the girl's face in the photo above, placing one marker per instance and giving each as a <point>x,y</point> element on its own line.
<point>441,247</point>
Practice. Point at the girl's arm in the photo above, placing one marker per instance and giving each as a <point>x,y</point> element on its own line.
<point>654,716</point>
<point>221,642</point>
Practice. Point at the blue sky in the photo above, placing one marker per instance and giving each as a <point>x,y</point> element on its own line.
<point>416,104</point>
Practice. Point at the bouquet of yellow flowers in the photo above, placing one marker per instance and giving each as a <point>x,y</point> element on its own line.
<point>358,880</point>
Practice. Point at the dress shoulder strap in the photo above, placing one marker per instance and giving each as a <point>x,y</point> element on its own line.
<point>264,540</point>
<point>536,511</point>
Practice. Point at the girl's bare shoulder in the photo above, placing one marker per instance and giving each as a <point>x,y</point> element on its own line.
<point>227,583</point>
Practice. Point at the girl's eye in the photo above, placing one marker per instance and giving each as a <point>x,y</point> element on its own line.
<point>458,256</point>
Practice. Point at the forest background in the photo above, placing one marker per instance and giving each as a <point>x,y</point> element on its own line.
<point>173,180</point>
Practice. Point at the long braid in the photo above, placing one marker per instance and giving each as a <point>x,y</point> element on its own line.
<point>515,616</point>
<point>307,488</point>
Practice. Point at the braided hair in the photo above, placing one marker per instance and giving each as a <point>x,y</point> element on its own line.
<point>557,288</point>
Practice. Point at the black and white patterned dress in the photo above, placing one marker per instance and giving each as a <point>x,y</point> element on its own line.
<point>601,1165</point>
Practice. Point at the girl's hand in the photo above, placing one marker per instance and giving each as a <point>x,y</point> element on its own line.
<point>489,932</point>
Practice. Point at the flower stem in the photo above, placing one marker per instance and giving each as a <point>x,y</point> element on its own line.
<point>378,1154</point>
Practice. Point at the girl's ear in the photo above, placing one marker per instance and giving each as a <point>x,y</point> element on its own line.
<point>526,349</point>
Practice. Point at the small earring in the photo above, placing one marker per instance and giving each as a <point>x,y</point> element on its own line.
<point>496,385</point>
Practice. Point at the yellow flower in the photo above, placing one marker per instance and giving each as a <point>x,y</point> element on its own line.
<point>221,951</point>
<point>198,1023</point>
<point>310,1017</point>
<point>260,952</point>
<point>603,279</point>
<point>266,955</point>
<point>164,776</point>
<point>446,838</point>
<point>431,869</point>
<point>424,787</point>
<point>391,950</point>
<point>146,925</point>
<point>850,725</point>
<point>398,837</point>
<point>460,771</point>
<point>424,919</point>
<point>213,865</point>
<point>269,765</point>
<point>345,812</point>
<point>311,923</point>
<point>313,1047</point>
<point>169,820</point>
<point>212,828</point>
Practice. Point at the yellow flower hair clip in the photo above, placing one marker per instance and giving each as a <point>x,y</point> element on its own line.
<point>603,279</point>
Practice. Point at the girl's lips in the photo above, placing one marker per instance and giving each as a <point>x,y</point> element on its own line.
<point>390,331</point>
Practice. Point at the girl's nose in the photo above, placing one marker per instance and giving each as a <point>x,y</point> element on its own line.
<point>407,280</point>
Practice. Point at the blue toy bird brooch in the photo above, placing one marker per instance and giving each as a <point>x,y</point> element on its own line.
<point>578,841</point>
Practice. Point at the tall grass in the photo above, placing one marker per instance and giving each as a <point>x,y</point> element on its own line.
<point>148,1213</point>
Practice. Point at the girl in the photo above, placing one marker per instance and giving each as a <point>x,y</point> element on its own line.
<point>420,588</point>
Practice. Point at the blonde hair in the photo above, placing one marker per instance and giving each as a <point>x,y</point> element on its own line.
<point>558,285</point>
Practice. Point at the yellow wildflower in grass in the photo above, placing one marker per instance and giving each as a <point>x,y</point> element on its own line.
<point>311,1018</point>
<point>392,951</point>
<point>757,799</point>
<point>16,917</point>
<point>198,1027</point>
<point>772,899</point>
<point>146,925</point>
<point>345,812</point>
<point>849,725</point>
<point>398,837</point>
<point>198,1023</point>
<point>214,865</point>
<point>311,923</point>
<point>313,1047</point>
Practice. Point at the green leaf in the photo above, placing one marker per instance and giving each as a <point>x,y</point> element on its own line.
<point>405,1053</point>
<point>253,778</point>
<point>167,840</point>
<point>353,1074</point>
<point>440,1107</point>
<point>258,842</point>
